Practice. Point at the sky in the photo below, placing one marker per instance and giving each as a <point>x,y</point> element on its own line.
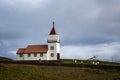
<point>86,28</point>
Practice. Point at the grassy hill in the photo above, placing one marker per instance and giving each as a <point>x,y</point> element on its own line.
<point>5,59</point>
<point>15,71</point>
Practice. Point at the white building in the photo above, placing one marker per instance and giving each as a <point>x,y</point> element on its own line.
<point>49,52</point>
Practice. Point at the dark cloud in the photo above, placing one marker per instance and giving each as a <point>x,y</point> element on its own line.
<point>7,48</point>
<point>79,22</point>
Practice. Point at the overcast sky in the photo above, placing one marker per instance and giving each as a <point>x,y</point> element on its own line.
<point>87,28</point>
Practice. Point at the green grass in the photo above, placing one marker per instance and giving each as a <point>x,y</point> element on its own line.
<point>33,72</point>
<point>36,72</point>
<point>70,61</point>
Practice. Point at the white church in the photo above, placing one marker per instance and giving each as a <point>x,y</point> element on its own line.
<point>49,52</point>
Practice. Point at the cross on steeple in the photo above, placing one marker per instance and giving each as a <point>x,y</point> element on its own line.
<point>53,23</point>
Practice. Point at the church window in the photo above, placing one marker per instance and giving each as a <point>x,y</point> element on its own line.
<point>35,55</point>
<point>29,55</point>
<point>41,55</point>
<point>21,55</point>
<point>52,54</point>
<point>52,48</point>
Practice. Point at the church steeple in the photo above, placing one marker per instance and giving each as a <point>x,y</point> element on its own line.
<point>53,45</point>
<point>53,30</point>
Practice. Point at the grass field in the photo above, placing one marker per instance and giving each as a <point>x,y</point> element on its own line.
<point>35,72</point>
<point>70,61</point>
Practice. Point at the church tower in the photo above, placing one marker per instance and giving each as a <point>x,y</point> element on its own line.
<point>53,45</point>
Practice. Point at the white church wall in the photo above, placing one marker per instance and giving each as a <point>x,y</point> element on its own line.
<point>44,57</point>
<point>57,47</point>
<point>32,57</point>
<point>52,58</point>
<point>20,58</point>
<point>55,51</point>
<point>53,38</point>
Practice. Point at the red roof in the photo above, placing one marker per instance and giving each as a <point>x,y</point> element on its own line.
<point>33,49</point>
<point>53,31</point>
<point>21,50</point>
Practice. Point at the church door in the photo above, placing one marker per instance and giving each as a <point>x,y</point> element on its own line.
<point>58,56</point>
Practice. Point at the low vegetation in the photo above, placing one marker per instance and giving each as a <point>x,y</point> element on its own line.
<point>5,59</point>
<point>9,71</point>
<point>36,72</point>
<point>70,61</point>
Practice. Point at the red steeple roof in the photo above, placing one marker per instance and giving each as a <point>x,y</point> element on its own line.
<point>53,30</point>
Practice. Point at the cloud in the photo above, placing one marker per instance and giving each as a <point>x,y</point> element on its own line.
<point>81,24</point>
<point>93,23</point>
<point>6,47</point>
<point>106,51</point>
<point>24,6</point>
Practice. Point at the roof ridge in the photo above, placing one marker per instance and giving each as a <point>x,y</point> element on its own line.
<point>38,45</point>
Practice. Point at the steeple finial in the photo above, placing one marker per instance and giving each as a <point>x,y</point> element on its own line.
<point>53,24</point>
